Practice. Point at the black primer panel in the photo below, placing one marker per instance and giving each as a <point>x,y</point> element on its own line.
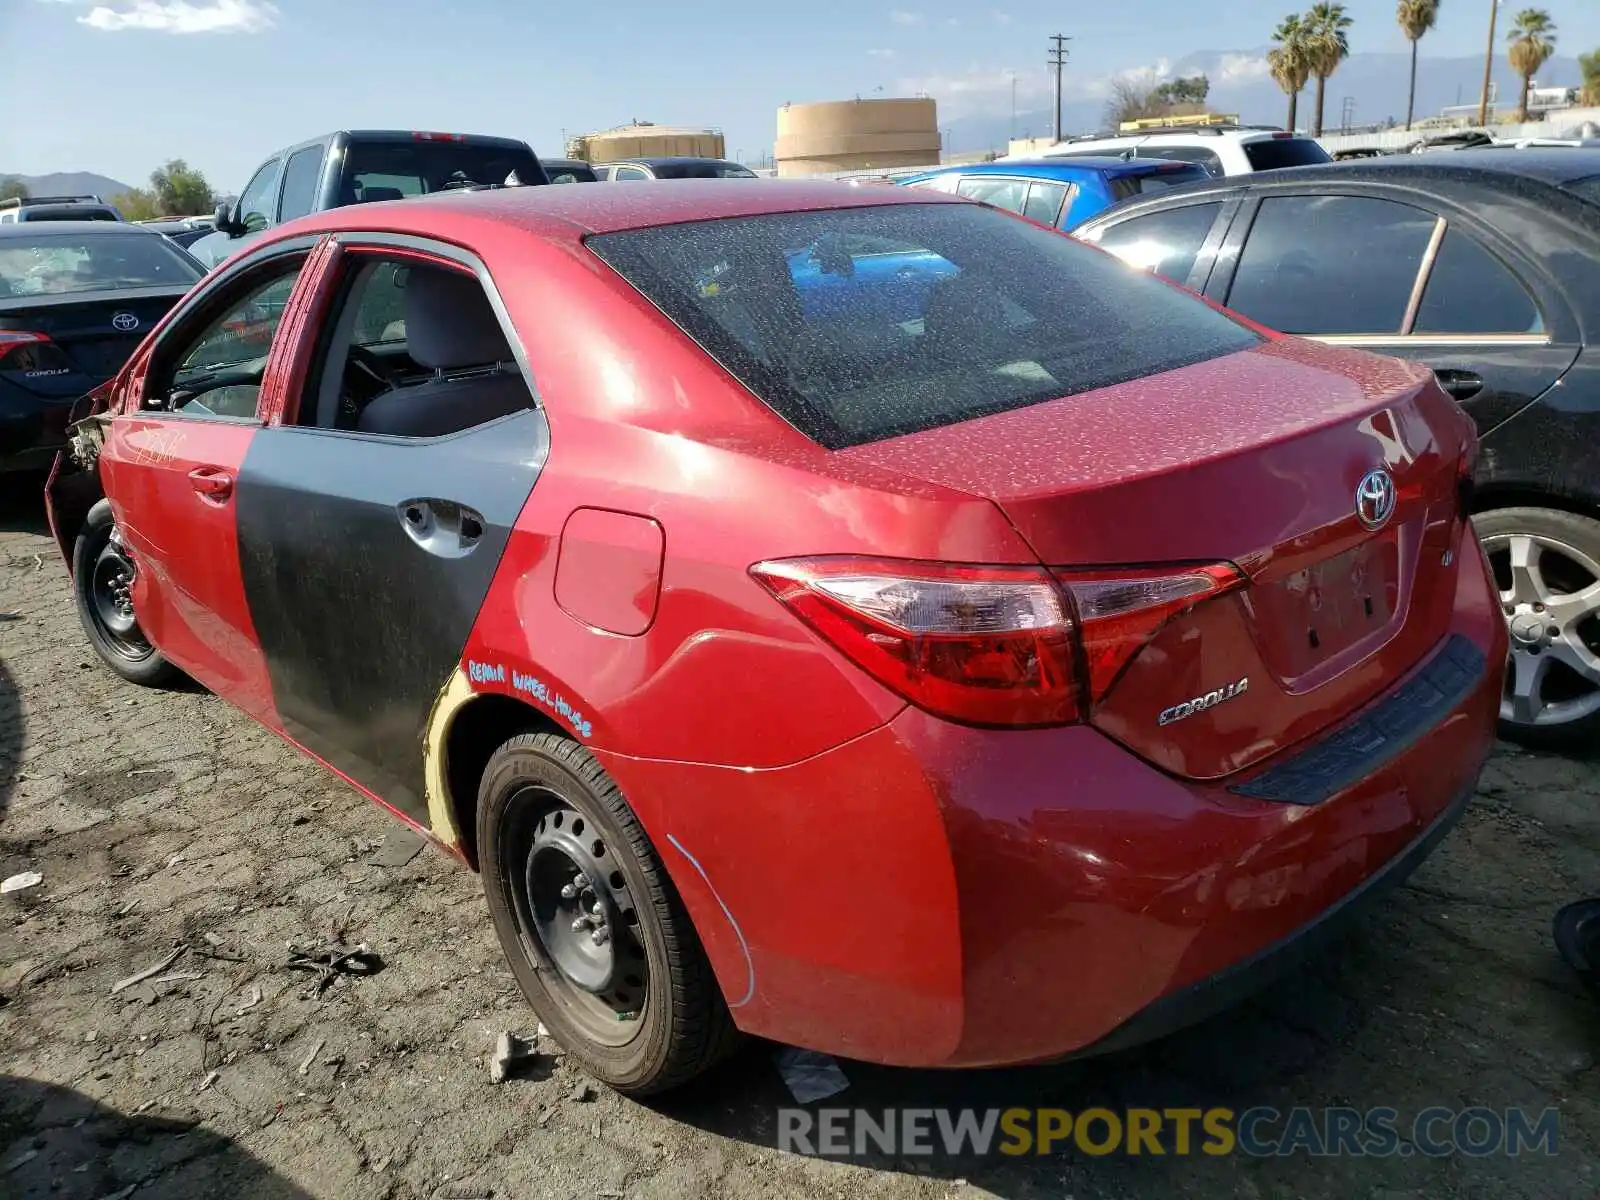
<point>360,625</point>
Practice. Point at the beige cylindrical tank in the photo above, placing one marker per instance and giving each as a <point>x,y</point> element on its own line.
<point>651,141</point>
<point>852,135</point>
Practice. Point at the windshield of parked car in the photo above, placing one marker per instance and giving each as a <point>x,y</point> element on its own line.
<point>702,170</point>
<point>54,264</point>
<point>857,324</point>
<point>1125,186</point>
<point>1269,154</point>
<point>71,214</point>
<point>393,170</point>
<point>1587,188</point>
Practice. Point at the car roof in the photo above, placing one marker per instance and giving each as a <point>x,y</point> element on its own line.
<point>667,160</point>
<point>567,212</point>
<point>1497,167</point>
<point>1065,167</point>
<point>37,229</point>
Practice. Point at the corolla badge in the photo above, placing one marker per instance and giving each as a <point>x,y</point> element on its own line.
<point>1375,498</point>
<point>125,321</point>
<point>1199,704</point>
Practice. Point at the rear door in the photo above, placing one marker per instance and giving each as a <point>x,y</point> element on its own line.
<point>171,464</point>
<point>1180,242</point>
<point>1409,278</point>
<point>366,558</point>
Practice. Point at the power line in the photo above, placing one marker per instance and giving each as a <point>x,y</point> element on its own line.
<point>1058,59</point>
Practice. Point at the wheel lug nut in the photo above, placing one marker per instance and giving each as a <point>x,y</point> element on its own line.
<point>580,924</point>
<point>600,936</point>
<point>569,892</point>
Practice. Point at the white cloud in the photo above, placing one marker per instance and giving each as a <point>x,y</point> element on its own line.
<point>880,53</point>
<point>901,17</point>
<point>1241,68</point>
<point>1002,18</point>
<point>181,16</point>
<point>952,22</point>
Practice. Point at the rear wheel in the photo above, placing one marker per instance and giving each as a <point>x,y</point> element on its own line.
<point>594,932</point>
<point>102,586</point>
<point>1547,568</point>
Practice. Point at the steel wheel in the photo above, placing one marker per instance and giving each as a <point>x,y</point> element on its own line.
<point>575,907</point>
<point>1550,594</point>
<point>111,600</point>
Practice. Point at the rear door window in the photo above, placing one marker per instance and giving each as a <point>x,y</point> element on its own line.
<point>1331,264</point>
<point>1209,160</point>
<point>1045,200</point>
<point>968,313</point>
<point>1166,243</point>
<point>998,191</point>
<point>300,178</point>
<point>1469,291</point>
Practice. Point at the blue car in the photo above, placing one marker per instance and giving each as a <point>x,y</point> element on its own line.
<point>1061,193</point>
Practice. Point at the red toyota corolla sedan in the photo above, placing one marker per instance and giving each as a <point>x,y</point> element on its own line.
<point>851,616</point>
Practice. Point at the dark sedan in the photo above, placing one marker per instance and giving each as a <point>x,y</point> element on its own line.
<point>1480,264</point>
<point>76,298</point>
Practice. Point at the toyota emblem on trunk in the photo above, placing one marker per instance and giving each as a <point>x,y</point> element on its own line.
<point>125,321</point>
<point>1375,498</point>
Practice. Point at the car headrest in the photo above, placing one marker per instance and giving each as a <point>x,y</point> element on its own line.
<point>372,195</point>
<point>449,323</point>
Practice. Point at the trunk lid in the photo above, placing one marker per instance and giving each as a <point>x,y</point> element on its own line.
<point>1253,459</point>
<point>89,336</point>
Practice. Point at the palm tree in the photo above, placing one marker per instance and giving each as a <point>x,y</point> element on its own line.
<point>1533,41</point>
<point>1288,63</point>
<point>1589,64</point>
<point>1416,17</point>
<point>1327,45</point>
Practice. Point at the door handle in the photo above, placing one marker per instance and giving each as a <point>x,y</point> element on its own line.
<point>441,527</point>
<point>1463,385</point>
<point>211,483</point>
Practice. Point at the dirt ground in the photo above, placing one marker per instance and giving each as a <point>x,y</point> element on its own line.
<point>161,820</point>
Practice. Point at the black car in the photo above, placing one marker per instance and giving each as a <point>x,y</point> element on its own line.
<point>1482,265</point>
<point>76,299</point>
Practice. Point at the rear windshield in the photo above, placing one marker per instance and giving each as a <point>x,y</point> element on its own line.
<point>1271,153</point>
<point>51,265</point>
<point>858,324</point>
<point>701,170</point>
<point>393,170</point>
<point>1134,185</point>
<point>70,214</point>
<point>573,173</point>
<point>1587,188</point>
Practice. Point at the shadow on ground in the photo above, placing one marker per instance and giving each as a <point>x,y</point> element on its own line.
<point>58,1143</point>
<point>22,504</point>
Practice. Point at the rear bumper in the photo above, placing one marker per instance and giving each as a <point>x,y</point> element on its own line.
<point>935,895</point>
<point>32,429</point>
<point>1217,993</point>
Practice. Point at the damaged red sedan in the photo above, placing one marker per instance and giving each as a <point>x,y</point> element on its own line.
<point>850,616</point>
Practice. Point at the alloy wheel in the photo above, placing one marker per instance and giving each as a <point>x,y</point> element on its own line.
<point>1550,595</point>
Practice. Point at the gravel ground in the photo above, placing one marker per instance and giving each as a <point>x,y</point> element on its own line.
<point>167,819</point>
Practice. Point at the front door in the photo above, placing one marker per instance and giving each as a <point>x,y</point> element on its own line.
<point>1399,279</point>
<point>367,555</point>
<point>172,461</point>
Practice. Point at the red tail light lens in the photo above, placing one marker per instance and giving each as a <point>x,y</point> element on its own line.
<point>987,645</point>
<point>979,645</point>
<point>22,350</point>
<point>1119,612</point>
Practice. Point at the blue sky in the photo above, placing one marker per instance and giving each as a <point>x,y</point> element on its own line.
<point>117,86</point>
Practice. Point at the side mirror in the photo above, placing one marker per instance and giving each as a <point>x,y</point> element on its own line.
<point>224,219</point>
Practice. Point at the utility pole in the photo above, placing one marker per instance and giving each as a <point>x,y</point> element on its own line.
<point>1013,134</point>
<point>1488,65</point>
<point>1058,59</point>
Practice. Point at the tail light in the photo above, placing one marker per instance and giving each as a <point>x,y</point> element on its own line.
<point>987,645</point>
<point>23,350</point>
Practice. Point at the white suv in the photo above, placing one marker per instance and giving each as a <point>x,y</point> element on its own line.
<point>1220,149</point>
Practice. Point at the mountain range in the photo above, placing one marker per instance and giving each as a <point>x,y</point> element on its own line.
<point>1240,84</point>
<point>70,183</point>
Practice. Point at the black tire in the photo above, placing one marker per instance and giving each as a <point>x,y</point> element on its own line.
<point>1566,553</point>
<point>682,1027</point>
<point>121,646</point>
